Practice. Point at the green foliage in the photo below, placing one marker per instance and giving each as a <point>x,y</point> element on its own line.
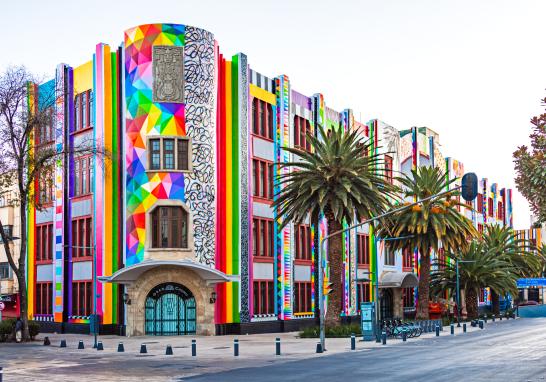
<point>530,167</point>
<point>33,329</point>
<point>337,178</point>
<point>340,331</point>
<point>7,328</point>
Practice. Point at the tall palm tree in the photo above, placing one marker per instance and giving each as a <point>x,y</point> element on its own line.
<point>504,243</point>
<point>428,224</point>
<point>340,181</point>
<point>480,268</point>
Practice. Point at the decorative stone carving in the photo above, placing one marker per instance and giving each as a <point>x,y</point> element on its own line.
<point>168,74</point>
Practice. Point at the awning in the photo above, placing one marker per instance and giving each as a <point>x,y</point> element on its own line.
<point>131,273</point>
<point>398,280</point>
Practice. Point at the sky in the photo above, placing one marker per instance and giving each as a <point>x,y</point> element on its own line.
<point>474,71</point>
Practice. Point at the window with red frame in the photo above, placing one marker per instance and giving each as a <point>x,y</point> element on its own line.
<point>264,297</point>
<point>301,128</point>
<point>408,298</point>
<point>303,242</point>
<point>363,249</point>
<point>45,130</point>
<point>362,293</point>
<point>44,242</point>
<point>44,298</point>
<point>490,207</point>
<point>407,258</point>
<point>479,198</point>
<point>302,297</point>
<point>262,119</point>
<point>468,203</point>
<point>82,242</point>
<point>83,170</point>
<point>46,188</point>
<point>262,237</point>
<point>388,169</point>
<point>500,211</point>
<point>83,110</point>
<point>82,303</point>
<point>481,295</point>
<point>480,228</point>
<point>441,258</point>
<point>262,179</point>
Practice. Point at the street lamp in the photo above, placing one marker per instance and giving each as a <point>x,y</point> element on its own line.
<point>457,261</point>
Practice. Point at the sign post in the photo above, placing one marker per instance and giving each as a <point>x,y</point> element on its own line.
<point>367,321</point>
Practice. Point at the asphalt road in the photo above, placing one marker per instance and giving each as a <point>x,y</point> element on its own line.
<point>511,351</point>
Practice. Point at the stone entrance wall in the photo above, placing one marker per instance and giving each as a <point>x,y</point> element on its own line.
<point>139,290</point>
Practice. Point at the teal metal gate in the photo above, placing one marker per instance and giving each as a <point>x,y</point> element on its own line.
<point>170,310</point>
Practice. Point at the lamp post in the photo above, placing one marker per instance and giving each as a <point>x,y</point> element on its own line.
<point>457,261</point>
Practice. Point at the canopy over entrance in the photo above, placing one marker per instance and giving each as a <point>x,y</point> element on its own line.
<point>398,280</point>
<point>131,273</point>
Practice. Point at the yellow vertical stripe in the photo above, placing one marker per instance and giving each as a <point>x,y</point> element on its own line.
<point>107,134</point>
<point>229,194</point>
<point>31,218</point>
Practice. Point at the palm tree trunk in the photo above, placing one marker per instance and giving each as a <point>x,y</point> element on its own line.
<point>424,286</point>
<point>495,302</point>
<point>335,264</point>
<point>471,300</point>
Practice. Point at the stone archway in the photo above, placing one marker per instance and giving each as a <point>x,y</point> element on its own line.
<point>140,290</point>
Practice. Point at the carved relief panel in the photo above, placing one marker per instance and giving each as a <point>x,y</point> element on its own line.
<point>168,74</point>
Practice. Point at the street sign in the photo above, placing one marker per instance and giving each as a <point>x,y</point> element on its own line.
<point>525,283</point>
<point>367,320</point>
<point>2,306</point>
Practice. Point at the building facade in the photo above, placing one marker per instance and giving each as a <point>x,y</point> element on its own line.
<point>166,227</point>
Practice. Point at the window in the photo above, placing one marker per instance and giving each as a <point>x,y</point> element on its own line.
<point>4,270</point>
<point>303,242</point>
<point>169,227</point>
<point>83,172</point>
<point>363,249</point>
<point>262,179</point>
<point>262,119</point>
<point>362,293</point>
<point>490,207</point>
<point>441,258</point>
<point>500,211</point>
<point>468,203</point>
<point>302,297</point>
<point>407,296</point>
<point>46,188</point>
<point>407,258</point>
<point>82,292</point>
<point>480,228</point>
<point>262,237</point>
<point>82,237</point>
<point>302,127</point>
<point>83,110</point>
<point>44,242</point>
<point>45,130</point>
<point>480,203</point>
<point>388,169</point>
<point>44,298</point>
<point>264,297</point>
<point>389,256</point>
<point>169,154</point>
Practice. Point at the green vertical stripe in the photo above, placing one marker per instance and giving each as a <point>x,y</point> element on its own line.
<point>235,183</point>
<point>115,184</point>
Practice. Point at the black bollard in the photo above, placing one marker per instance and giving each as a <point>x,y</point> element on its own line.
<point>353,341</point>
<point>452,329</point>
<point>464,327</point>
<point>277,346</point>
<point>121,348</point>
<point>437,330</point>
<point>493,318</point>
<point>441,325</point>
<point>500,318</point>
<point>485,319</point>
<point>384,338</point>
<point>193,348</point>
<point>80,345</point>
<point>46,341</point>
<point>99,346</point>
<point>169,350</point>
<point>63,344</point>
<point>236,347</point>
<point>319,347</point>
<point>404,335</point>
<point>1,373</point>
<point>143,349</point>
<point>481,324</point>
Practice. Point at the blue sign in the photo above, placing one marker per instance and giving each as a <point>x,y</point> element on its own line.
<point>367,320</point>
<point>526,283</point>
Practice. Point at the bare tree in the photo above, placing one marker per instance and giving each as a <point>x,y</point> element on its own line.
<point>24,120</point>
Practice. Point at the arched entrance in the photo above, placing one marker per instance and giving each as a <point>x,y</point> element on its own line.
<point>386,304</point>
<point>170,310</point>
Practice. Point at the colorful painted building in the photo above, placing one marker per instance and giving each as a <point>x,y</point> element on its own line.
<point>165,226</point>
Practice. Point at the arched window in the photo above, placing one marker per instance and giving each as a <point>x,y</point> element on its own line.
<point>169,227</point>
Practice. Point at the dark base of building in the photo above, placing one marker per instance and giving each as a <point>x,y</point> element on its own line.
<point>67,327</point>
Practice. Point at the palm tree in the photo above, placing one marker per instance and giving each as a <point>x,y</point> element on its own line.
<point>428,224</point>
<point>503,242</point>
<point>338,180</point>
<point>480,268</point>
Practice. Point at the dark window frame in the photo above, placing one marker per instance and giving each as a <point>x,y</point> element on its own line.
<point>180,164</point>
<point>264,296</point>
<point>263,237</point>
<point>174,220</point>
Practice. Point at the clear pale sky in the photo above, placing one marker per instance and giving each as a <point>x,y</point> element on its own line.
<point>472,70</point>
